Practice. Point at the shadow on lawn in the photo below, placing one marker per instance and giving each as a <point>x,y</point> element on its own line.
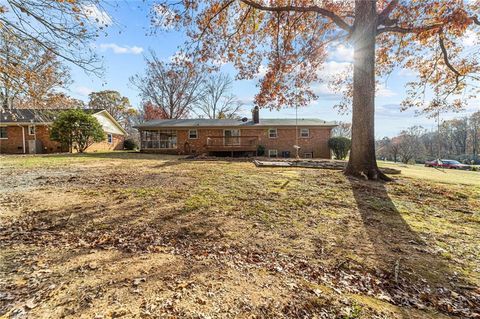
<point>408,259</point>
<point>113,155</point>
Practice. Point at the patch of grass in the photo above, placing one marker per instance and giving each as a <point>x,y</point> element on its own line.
<point>64,159</point>
<point>448,176</point>
<point>240,231</point>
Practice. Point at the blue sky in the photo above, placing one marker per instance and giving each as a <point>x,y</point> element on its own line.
<point>129,39</point>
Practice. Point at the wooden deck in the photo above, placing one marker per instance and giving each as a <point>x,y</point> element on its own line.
<point>234,143</point>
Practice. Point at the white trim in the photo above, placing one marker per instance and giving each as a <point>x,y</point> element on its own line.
<point>270,153</point>
<point>308,131</point>
<point>310,155</point>
<point>276,132</point>
<point>23,135</point>
<point>111,118</point>
<point>34,130</point>
<point>196,134</point>
<point>232,129</point>
<point>4,138</point>
<point>109,138</point>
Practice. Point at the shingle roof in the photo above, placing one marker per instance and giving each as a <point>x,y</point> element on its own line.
<point>177,123</point>
<point>34,115</point>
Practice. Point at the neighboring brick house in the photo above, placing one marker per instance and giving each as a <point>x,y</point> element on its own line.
<point>237,137</point>
<point>26,131</point>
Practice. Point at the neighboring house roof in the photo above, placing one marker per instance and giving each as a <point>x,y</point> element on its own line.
<point>44,116</point>
<point>188,123</point>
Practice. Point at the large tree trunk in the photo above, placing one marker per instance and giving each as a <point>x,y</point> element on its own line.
<point>362,161</point>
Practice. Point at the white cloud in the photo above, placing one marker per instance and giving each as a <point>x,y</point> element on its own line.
<point>96,15</point>
<point>383,91</point>
<point>470,38</point>
<point>262,71</point>
<point>83,90</point>
<point>342,53</point>
<point>406,72</point>
<point>117,49</point>
<point>333,68</point>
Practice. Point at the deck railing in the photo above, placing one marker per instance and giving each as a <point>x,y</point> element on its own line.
<point>232,142</point>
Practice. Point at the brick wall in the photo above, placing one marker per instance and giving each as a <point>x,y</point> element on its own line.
<point>117,144</point>
<point>43,135</point>
<point>14,143</point>
<point>316,143</point>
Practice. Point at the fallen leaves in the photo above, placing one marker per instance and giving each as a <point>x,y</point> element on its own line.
<point>255,242</point>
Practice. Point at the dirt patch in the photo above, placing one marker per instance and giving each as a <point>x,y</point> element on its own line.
<point>154,238</point>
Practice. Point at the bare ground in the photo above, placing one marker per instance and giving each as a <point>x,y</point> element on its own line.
<point>144,236</point>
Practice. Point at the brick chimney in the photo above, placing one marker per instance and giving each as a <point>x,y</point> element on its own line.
<point>256,115</point>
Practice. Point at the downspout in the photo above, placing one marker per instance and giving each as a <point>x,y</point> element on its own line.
<point>23,139</point>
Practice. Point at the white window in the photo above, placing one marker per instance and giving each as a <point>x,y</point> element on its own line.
<point>192,134</point>
<point>110,138</point>
<point>272,153</point>
<point>308,155</point>
<point>231,137</point>
<point>304,132</point>
<point>31,129</point>
<point>159,139</point>
<point>272,133</point>
<point>3,133</point>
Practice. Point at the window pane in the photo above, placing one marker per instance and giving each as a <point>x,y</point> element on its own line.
<point>3,132</point>
<point>192,134</point>
<point>159,139</point>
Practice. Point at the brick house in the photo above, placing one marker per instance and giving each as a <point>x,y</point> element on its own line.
<point>278,137</point>
<point>26,131</point>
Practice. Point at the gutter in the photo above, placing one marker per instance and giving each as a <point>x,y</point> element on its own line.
<point>232,126</point>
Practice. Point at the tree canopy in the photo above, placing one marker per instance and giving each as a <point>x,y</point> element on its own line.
<point>216,100</point>
<point>169,88</point>
<point>117,105</point>
<point>29,74</point>
<point>63,28</point>
<point>293,38</point>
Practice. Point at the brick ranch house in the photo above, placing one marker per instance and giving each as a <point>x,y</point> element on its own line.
<point>26,131</point>
<point>237,137</point>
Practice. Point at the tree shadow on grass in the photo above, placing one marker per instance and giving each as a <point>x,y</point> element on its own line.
<point>416,274</point>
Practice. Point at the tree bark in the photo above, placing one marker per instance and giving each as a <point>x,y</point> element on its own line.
<point>362,161</point>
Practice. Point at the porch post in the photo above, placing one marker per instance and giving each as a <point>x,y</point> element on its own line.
<point>23,136</point>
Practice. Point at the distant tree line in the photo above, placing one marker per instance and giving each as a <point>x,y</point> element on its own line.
<point>457,139</point>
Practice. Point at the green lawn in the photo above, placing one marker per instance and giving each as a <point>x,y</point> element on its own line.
<point>450,176</point>
<point>135,235</point>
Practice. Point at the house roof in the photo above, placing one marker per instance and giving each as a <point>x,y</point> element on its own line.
<point>44,116</point>
<point>188,123</point>
<point>35,115</point>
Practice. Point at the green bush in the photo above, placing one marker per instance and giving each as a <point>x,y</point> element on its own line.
<point>77,130</point>
<point>339,146</point>
<point>130,144</point>
<point>260,150</point>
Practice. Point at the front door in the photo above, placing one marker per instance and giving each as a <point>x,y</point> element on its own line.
<point>231,137</point>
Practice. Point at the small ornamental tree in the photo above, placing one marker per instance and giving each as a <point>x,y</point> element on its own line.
<point>340,146</point>
<point>77,130</point>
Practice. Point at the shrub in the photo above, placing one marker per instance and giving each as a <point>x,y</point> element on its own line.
<point>260,150</point>
<point>339,146</point>
<point>130,144</point>
<point>76,129</point>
